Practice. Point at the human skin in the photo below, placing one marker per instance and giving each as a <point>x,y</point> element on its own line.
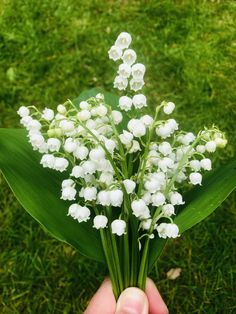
<point>131,301</point>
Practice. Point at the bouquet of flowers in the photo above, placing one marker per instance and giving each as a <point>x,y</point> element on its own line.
<point>104,173</point>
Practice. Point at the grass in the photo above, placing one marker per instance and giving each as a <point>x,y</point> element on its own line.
<point>51,51</point>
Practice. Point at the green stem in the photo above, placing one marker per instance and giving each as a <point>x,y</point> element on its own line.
<point>126,268</point>
<point>110,264</point>
<point>143,266</point>
<point>117,261</point>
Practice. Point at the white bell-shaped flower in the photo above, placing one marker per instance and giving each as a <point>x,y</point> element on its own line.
<point>81,213</point>
<point>48,114</point>
<point>206,164</point>
<point>125,103</point>
<point>135,147</point>
<point>116,197</point>
<point>118,227</point>
<point>167,230</point>
<point>158,199</point>
<point>78,172</point>
<point>139,101</point>
<point>84,105</point>
<point>146,120</point>
<point>103,198</point>
<point>165,148</point>
<point>116,116</point>
<point>126,137</point>
<point>176,198</point>
<point>115,53</point>
<point>136,85</point>
<point>100,222</point>
<point>195,178</point>
<point>129,56</point>
<point>90,193</point>
<point>81,152</point>
<point>97,154</point>
<point>60,164</point>
<point>168,210</point>
<point>53,144</point>
<point>83,115</point>
<point>195,165</point>
<point>210,146</point>
<point>69,145</point>
<point>68,193</point>
<point>138,71</point>
<point>123,40</point>
<point>124,70</point>
<point>146,224</point>
<point>140,209</point>
<point>66,183</point>
<point>48,161</point>
<point>129,185</point>
<point>24,111</point>
<point>120,83</point>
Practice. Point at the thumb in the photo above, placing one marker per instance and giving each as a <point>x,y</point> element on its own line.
<point>132,301</point>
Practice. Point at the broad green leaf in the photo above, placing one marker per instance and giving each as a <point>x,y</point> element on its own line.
<point>38,191</point>
<point>202,202</point>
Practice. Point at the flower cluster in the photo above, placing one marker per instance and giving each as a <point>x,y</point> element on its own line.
<point>116,171</point>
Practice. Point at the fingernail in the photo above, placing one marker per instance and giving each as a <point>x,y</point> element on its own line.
<point>132,301</point>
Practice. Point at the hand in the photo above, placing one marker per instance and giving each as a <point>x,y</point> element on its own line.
<point>131,301</point>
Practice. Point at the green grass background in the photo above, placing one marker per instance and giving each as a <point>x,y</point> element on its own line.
<point>53,50</point>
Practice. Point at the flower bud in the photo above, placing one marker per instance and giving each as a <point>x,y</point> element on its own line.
<point>169,107</point>
<point>61,109</point>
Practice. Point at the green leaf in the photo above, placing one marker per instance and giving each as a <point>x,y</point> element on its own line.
<point>38,191</point>
<point>202,202</point>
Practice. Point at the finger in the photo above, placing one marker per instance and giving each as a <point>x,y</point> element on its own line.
<point>132,301</point>
<point>156,303</point>
<point>103,302</point>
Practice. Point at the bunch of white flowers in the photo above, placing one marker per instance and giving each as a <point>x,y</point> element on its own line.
<point>138,169</point>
